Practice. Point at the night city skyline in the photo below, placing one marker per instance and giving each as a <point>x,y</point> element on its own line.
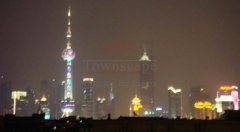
<point>193,44</point>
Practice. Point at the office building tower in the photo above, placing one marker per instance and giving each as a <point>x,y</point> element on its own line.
<point>50,91</point>
<point>87,101</point>
<point>23,102</point>
<point>31,107</point>
<point>111,102</point>
<point>146,83</point>
<point>5,98</point>
<point>175,102</point>
<point>227,99</point>
<point>44,108</point>
<point>197,94</point>
<point>101,108</point>
<point>203,110</point>
<point>20,103</point>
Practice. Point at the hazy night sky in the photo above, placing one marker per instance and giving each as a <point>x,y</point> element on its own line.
<point>195,42</point>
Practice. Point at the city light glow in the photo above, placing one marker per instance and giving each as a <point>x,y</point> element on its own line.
<point>145,57</point>
<point>16,95</point>
<point>43,99</point>
<point>174,90</point>
<point>227,88</point>
<point>227,96</point>
<point>88,79</point>
<point>158,109</point>
<point>203,105</point>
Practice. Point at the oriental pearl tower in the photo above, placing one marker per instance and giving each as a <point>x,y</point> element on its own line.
<point>67,104</point>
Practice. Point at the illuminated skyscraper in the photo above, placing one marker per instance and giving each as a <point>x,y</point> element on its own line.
<point>50,89</point>
<point>175,102</point>
<point>146,83</point>
<point>227,99</point>
<point>68,55</point>
<point>44,108</point>
<point>197,94</point>
<point>111,102</point>
<point>87,101</point>
<point>203,110</point>
<point>19,102</point>
<point>23,102</point>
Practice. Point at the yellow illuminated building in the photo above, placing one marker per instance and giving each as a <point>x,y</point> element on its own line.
<point>135,107</point>
<point>16,95</point>
<point>203,110</point>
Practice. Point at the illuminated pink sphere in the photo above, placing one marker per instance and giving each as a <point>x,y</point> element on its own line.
<point>68,54</point>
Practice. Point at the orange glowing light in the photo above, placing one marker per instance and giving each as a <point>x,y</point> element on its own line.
<point>226,88</point>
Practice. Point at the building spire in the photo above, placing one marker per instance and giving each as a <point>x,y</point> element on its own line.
<point>69,33</point>
<point>111,94</point>
<point>145,55</point>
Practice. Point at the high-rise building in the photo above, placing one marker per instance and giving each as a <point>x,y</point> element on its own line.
<point>5,98</point>
<point>31,107</point>
<point>67,104</point>
<point>203,110</point>
<point>23,102</point>
<point>101,108</point>
<point>19,103</point>
<point>44,107</point>
<point>60,97</point>
<point>111,102</point>
<point>146,83</point>
<point>50,91</point>
<point>197,94</point>
<point>87,101</point>
<point>227,99</point>
<point>175,102</point>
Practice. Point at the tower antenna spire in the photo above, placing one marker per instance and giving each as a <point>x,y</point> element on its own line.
<point>69,33</point>
<point>144,48</point>
<point>111,94</point>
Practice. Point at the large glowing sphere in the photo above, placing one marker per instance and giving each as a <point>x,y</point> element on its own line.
<point>68,54</point>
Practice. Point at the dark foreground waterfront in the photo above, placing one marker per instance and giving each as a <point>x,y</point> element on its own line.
<point>36,123</point>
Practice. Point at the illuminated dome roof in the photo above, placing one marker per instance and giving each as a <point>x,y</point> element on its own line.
<point>68,54</point>
<point>43,99</point>
<point>145,56</point>
<point>136,100</point>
